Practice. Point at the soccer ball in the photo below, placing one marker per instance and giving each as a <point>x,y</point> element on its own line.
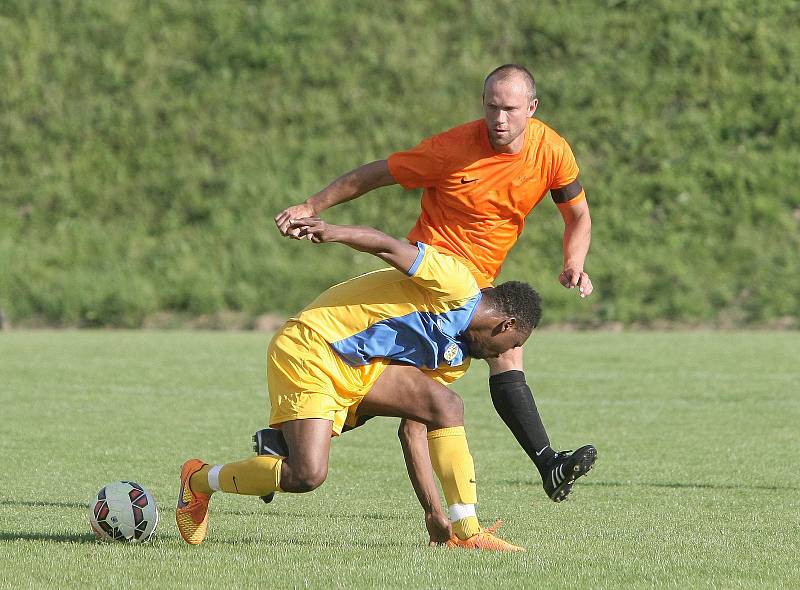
<point>123,511</point>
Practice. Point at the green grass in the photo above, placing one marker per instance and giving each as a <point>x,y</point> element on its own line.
<point>696,483</point>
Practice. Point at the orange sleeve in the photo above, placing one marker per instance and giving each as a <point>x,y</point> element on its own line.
<point>419,167</point>
<point>566,168</point>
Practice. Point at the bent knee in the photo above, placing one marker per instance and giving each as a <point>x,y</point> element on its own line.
<point>304,480</point>
<point>449,409</point>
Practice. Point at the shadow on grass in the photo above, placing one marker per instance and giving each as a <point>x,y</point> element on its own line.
<point>160,539</point>
<point>34,503</point>
<point>309,541</point>
<point>688,486</point>
<point>674,485</point>
<point>305,515</point>
<point>57,538</point>
<point>259,508</point>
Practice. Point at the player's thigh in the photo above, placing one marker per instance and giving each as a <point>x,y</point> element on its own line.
<point>404,391</point>
<point>510,360</point>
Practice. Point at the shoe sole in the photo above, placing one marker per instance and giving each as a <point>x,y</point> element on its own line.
<point>581,468</point>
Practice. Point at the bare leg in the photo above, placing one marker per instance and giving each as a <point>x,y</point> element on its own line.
<point>406,392</point>
<point>309,443</point>
<point>425,405</point>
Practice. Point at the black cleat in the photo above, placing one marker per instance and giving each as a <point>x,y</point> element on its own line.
<point>564,468</point>
<point>270,441</point>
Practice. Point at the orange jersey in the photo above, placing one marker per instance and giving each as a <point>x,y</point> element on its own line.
<point>475,200</point>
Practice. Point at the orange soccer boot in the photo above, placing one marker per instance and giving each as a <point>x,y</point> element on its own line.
<point>192,512</point>
<point>484,540</point>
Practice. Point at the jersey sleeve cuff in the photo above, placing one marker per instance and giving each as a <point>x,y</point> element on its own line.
<point>581,196</point>
<point>418,260</point>
<point>391,163</point>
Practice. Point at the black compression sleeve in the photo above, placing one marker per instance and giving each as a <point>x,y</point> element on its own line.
<point>513,401</point>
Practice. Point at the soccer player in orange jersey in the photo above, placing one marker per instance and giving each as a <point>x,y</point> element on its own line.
<point>479,181</point>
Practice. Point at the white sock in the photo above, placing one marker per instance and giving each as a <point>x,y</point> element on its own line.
<point>457,511</point>
<point>213,477</point>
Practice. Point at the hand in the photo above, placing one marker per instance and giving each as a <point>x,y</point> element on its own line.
<point>312,228</point>
<point>573,277</point>
<point>439,529</point>
<point>282,219</point>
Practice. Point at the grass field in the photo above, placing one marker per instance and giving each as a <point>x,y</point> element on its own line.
<point>696,484</point>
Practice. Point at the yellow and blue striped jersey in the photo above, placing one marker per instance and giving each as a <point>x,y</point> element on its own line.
<point>417,318</point>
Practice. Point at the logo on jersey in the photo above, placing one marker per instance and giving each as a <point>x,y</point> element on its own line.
<point>450,352</point>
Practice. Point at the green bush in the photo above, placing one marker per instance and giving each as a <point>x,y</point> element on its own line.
<point>145,147</point>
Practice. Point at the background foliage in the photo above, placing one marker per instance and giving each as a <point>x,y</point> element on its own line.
<point>146,145</point>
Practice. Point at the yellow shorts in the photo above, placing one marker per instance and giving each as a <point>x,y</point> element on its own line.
<point>307,379</point>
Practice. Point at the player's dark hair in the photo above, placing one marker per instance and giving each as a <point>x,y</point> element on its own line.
<point>507,70</point>
<point>517,300</point>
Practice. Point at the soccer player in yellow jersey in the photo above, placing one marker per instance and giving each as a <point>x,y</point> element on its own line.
<point>385,341</point>
<point>480,180</point>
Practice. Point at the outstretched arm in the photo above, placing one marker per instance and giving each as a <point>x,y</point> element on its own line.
<point>348,186</point>
<point>414,440</point>
<point>577,236</point>
<point>399,254</point>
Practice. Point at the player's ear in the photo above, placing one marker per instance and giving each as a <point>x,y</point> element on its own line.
<point>504,326</point>
<point>532,107</point>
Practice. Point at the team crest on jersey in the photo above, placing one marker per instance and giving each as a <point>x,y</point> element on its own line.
<point>450,352</point>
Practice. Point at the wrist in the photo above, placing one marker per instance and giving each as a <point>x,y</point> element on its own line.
<point>434,511</point>
<point>315,207</point>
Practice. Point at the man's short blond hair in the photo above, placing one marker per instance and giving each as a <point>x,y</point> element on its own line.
<point>510,70</point>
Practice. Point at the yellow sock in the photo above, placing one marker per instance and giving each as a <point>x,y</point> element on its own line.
<point>455,469</point>
<point>199,481</point>
<point>257,476</point>
<point>466,527</point>
<point>453,464</point>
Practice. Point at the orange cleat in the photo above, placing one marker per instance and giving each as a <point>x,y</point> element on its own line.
<point>484,540</point>
<point>192,512</point>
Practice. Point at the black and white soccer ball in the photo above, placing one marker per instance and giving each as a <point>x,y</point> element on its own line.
<point>123,511</point>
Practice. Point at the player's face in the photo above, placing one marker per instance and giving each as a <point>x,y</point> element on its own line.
<point>507,108</point>
<point>492,342</point>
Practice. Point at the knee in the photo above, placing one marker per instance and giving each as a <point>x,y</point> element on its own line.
<point>305,479</point>
<point>448,409</point>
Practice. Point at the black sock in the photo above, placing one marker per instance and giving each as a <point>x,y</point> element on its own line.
<point>513,400</point>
